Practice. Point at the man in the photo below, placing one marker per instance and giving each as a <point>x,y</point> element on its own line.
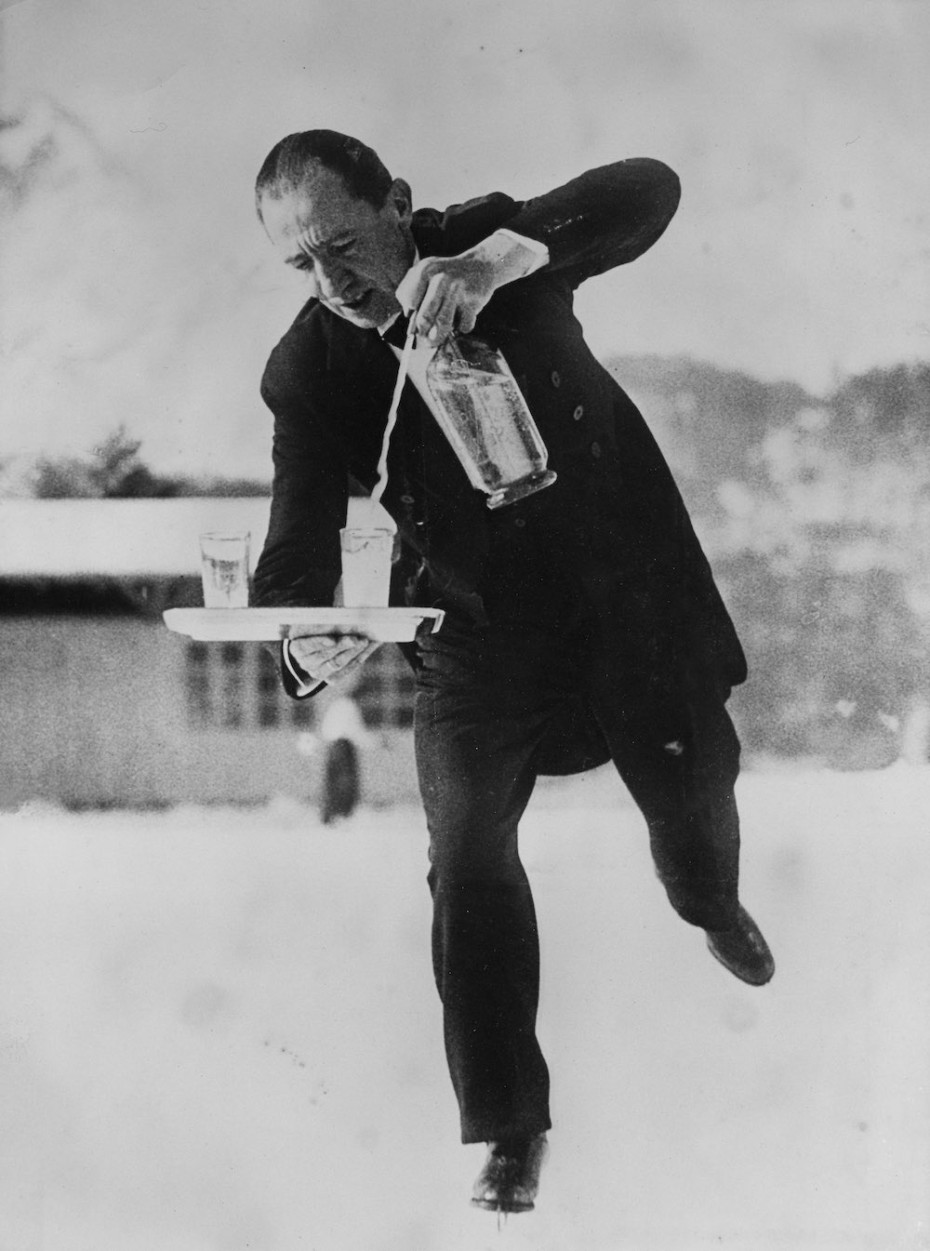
<point>582,623</point>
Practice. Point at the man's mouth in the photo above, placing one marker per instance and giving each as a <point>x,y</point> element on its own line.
<point>353,306</point>
<point>366,308</point>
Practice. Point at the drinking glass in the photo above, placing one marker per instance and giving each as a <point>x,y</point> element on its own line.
<point>224,566</point>
<point>366,566</point>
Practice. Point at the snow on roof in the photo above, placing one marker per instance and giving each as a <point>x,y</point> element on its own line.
<point>137,538</point>
<point>129,538</point>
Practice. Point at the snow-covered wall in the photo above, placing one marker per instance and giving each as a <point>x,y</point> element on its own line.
<point>96,712</point>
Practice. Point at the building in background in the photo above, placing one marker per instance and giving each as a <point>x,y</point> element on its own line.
<point>104,706</point>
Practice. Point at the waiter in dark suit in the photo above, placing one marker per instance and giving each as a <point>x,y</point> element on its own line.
<point>582,623</point>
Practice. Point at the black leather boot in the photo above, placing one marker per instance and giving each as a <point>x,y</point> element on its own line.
<point>509,1181</point>
<point>743,950</point>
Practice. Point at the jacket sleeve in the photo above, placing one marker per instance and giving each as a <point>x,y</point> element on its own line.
<point>297,687</point>
<point>300,562</point>
<point>606,217</point>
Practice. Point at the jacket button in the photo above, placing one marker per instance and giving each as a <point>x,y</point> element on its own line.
<point>578,413</point>
<point>556,378</point>
<point>595,450</point>
<point>520,522</point>
<point>407,499</point>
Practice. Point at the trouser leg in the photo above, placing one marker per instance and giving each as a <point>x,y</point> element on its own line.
<point>675,747</point>
<point>476,735</point>
<point>696,857</point>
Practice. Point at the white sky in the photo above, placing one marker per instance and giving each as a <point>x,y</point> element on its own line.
<point>800,130</point>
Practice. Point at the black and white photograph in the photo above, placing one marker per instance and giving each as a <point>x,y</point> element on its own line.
<point>464,625</point>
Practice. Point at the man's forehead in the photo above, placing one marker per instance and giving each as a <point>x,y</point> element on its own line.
<point>321,202</point>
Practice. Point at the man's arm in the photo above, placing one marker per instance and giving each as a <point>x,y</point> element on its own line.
<point>607,217</point>
<point>300,561</point>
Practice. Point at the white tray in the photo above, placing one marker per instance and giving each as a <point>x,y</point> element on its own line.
<point>246,625</point>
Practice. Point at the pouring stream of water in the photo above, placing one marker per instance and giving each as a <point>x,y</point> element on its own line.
<point>392,415</point>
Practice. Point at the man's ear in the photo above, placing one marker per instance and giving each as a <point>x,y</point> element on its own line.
<point>401,197</point>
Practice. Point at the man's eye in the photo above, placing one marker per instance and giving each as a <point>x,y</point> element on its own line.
<point>341,248</point>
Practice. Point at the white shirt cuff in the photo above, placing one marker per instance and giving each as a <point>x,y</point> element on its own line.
<point>515,254</point>
<point>539,250</point>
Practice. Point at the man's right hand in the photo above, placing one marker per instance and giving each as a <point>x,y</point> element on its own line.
<point>446,293</point>
<point>328,658</point>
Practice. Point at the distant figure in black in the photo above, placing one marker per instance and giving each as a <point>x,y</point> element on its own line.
<point>341,791</point>
<point>343,731</point>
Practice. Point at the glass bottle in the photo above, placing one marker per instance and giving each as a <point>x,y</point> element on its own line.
<point>484,416</point>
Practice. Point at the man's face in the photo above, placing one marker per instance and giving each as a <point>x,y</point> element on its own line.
<point>353,254</point>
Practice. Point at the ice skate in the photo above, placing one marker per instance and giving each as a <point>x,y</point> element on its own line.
<point>509,1181</point>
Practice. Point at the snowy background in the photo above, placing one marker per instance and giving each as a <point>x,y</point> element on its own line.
<point>139,288</point>
<point>219,1032</point>
<point>218,1029</point>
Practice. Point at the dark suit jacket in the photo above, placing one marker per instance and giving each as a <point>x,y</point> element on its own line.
<point>614,517</point>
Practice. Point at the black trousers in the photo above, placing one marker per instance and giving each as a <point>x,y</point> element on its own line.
<point>489,703</point>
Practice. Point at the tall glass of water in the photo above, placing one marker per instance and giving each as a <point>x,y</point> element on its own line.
<point>224,565</point>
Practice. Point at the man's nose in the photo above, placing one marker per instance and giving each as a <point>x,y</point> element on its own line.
<point>333,280</point>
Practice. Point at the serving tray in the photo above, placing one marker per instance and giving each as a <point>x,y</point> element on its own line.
<point>248,625</point>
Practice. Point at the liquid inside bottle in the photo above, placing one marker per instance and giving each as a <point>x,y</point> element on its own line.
<point>484,416</point>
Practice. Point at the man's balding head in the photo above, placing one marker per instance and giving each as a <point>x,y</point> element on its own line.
<point>297,157</point>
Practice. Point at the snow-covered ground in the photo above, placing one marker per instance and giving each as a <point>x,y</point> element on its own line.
<point>218,1032</point>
